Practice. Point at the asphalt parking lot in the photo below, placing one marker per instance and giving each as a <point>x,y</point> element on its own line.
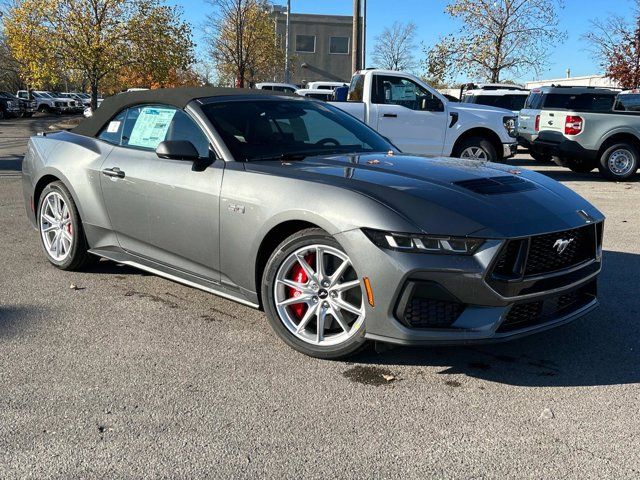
<point>129,375</point>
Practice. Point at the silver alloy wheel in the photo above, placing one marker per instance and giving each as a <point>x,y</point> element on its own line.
<point>56,228</point>
<point>620,161</point>
<point>331,297</point>
<point>474,153</point>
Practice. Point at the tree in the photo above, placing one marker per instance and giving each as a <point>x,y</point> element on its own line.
<point>615,43</point>
<point>98,37</point>
<point>243,41</point>
<point>394,47</point>
<point>496,37</point>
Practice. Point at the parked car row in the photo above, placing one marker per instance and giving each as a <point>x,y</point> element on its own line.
<point>12,106</point>
<point>583,128</point>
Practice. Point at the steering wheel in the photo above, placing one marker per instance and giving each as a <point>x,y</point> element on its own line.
<point>327,140</point>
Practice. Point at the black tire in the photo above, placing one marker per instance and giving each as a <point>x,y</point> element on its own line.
<point>540,158</point>
<point>579,165</point>
<point>79,257</point>
<point>606,163</point>
<point>2,115</point>
<point>296,241</point>
<point>477,142</point>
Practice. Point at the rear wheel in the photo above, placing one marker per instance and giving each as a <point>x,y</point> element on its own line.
<point>579,165</point>
<point>476,148</point>
<point>312,296</point>
<point>61,231</point>
<point>619,161</point>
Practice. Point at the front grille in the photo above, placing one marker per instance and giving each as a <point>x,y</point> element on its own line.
<point>431,313</point>
<point>542,253</point>
<point>537,312</point>
<point>544,256</point>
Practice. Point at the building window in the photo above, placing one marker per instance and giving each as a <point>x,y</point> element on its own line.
<point>306,43</point>
<point>339,45</point>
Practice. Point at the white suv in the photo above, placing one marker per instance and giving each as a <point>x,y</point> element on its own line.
<point>510,97</point>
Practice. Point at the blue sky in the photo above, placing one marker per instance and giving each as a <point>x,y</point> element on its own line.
<point>432,22</point>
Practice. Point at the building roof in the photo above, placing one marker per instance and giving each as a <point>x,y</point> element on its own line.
<point>175,97</point>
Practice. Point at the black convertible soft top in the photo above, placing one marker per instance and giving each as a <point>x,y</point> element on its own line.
<point>175,97</point>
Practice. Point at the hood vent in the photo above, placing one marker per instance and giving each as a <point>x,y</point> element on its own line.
<point>497,185</point>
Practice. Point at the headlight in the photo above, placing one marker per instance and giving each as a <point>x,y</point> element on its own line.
<point>510,125</point>
<point>418,243</point>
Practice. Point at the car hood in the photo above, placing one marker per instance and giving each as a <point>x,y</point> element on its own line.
<point>447,196</point>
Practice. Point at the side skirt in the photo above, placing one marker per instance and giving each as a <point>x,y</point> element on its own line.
<point>171,274</point>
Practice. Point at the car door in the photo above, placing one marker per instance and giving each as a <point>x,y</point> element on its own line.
<point>164,210</point>
<point>413,118</point>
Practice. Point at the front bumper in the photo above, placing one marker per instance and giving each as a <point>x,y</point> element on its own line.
<point>485,316</point>
<point>509,149</point>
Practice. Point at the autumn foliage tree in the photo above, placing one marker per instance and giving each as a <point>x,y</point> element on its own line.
<point>98,37</point>
<point>615,42</point>
<point>242,41</point>
<point>496,37</point>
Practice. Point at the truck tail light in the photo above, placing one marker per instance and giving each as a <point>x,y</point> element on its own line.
<point>537,125</point>
<point>572,125</point>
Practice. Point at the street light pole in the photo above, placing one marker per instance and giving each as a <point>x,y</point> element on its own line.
<point>286,44</point>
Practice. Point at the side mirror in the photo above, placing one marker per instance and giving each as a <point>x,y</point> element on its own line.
<point>177,150</point>
<point>432,104</point>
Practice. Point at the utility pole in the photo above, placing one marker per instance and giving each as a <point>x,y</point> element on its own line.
<point>363,63</point>
<point>356,37</point>
<point>286,44</point>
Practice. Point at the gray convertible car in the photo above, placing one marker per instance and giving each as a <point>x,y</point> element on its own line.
<point>293,206</point>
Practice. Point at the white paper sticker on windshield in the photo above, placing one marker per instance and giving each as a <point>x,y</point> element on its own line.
<point>113,127</point>
<point>151,127</point>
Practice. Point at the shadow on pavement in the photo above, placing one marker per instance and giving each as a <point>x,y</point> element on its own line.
<point>602,348</point>
<point>14,319</point>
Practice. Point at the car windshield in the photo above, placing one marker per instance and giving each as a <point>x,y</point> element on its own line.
<point>277,128</point>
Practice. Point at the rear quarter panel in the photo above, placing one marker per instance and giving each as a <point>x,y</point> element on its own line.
<point>75,160</point>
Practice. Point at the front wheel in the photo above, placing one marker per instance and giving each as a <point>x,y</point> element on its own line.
<point>476,148</point>
<point>312,296</point>
<point>619,161</point>
<point>61,230</point>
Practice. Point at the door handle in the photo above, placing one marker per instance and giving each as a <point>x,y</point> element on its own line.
<point>113,172</point>
<point>390,115</point>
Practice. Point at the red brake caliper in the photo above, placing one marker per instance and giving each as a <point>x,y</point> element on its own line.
<point>298,275</point>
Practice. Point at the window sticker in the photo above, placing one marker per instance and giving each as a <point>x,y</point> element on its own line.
<point>151,127</point>
<point>113,127</point>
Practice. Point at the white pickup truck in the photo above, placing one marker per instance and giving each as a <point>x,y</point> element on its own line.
<point>420,120</point>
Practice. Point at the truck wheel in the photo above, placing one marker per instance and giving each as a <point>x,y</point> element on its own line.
<point>539,157</point>
<point>476,148</point>
<point>619,161</point>
<point>580,165</point>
